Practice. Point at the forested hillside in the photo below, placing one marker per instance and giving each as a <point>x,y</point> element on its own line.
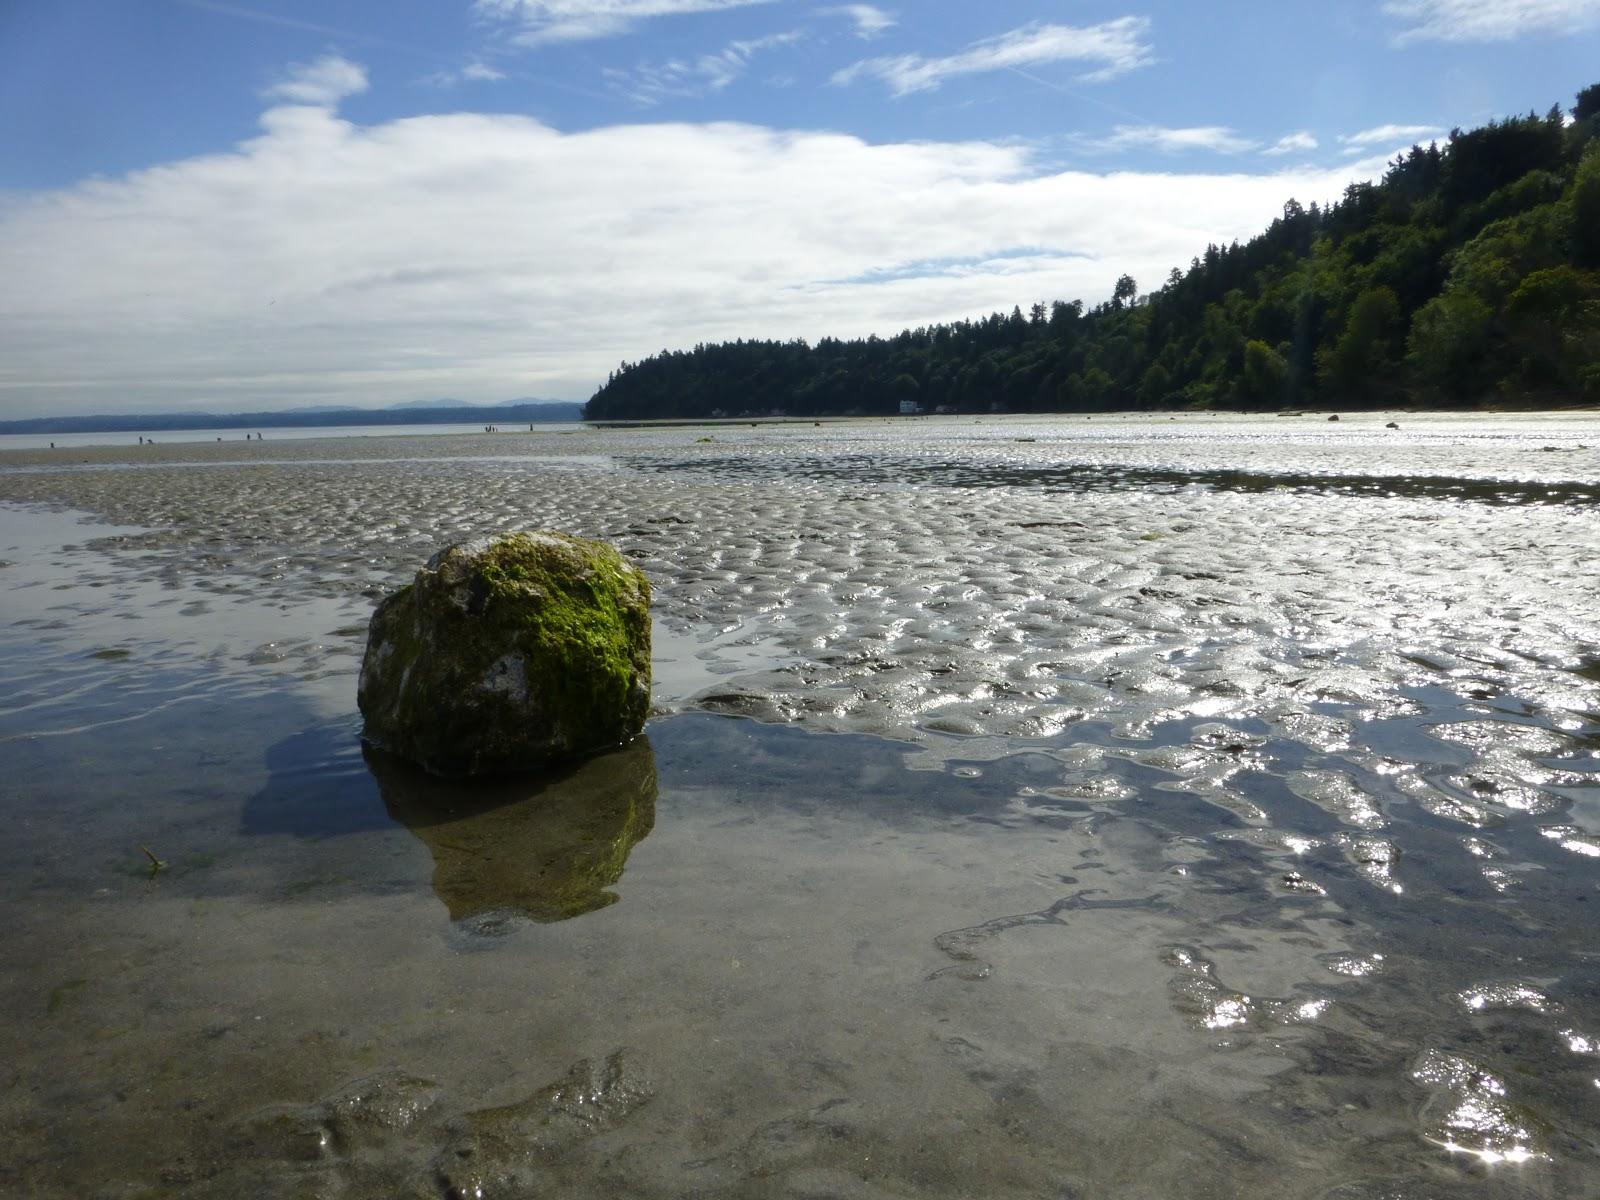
<point>1469,274</point>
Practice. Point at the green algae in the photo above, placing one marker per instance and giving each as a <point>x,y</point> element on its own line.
<point>510,655</point>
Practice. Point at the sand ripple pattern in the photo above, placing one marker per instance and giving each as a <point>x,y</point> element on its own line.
<point>963,586</point>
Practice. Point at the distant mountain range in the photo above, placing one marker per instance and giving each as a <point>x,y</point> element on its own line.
<point>415,412</point>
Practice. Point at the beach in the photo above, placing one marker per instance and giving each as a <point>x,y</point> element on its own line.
<point>1069,807</point>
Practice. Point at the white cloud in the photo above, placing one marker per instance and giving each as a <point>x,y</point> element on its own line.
<point>474,72</point>
<point>542,21</point>
<point>651,83</point>
<point>1117,47</point>
<point>1387,135</point>
<point>1490,20</point>
<point>1216,138</point>
<point>1294,143</point>
<point>324,82</point>
<point>489,256</point>
<point>869,20</point>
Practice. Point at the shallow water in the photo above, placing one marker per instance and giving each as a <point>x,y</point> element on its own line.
<point>1136,808</point>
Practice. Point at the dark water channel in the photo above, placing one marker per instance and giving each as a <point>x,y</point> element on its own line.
<point>970,472</point>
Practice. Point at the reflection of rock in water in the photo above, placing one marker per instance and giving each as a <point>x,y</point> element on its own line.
<point>545,846</point>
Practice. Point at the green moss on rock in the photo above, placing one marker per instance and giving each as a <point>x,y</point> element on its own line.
<point>509,654</point>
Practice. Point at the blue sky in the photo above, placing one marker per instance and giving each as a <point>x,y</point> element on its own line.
<point>210,204</point>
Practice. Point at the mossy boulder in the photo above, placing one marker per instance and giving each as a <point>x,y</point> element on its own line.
<point>509,654</point>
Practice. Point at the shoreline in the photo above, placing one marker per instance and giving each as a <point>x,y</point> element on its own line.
<point>1359,418</point>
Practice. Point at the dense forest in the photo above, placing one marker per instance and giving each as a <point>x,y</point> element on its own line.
<point>1469,274</point>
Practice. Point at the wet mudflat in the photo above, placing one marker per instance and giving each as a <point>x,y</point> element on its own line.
<point>1112,808</point>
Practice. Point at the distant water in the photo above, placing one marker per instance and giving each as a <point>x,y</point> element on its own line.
<point>62,441</point>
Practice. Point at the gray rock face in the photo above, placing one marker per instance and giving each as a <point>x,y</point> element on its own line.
<point>509,654</point>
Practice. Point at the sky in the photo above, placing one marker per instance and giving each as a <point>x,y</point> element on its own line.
<point>225,205</point>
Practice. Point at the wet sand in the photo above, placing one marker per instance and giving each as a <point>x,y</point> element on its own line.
<point>1136,808</point>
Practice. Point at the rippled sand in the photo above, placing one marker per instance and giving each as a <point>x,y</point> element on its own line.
<point>1235,833</point>
<point>963,582</point>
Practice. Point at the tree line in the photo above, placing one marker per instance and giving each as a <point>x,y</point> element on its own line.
<point>1469,274</point>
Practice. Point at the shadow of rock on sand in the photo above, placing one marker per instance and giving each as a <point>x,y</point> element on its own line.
<point>317,787</point>
<point>545,847</point>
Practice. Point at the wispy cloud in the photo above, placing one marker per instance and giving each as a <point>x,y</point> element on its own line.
<point>869,20</point>
<point>473,72</point>
<point>651,83</point>
<point>1116,47</point>
<point>1490,20</point>
<point>541,21</point>
<point>324,82</point>
<point>1294,143</point>
<point>1387,135</point>
<point>1217,139</point>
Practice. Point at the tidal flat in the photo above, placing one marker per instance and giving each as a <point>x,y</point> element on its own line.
<point>1056,807</point>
